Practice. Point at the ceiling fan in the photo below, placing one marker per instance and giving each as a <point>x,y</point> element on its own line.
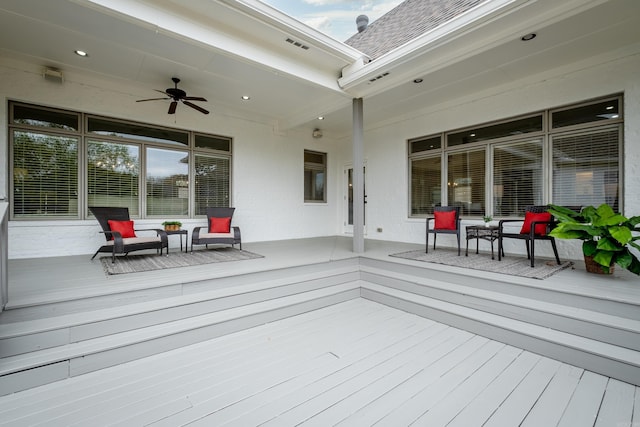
<point>178,95</point>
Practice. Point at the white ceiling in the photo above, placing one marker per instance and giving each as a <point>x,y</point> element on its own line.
<point>224,49</point>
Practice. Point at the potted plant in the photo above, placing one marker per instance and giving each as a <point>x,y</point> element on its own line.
<point>606,236</point>
<point>172,225</point>
<point>487,219</point>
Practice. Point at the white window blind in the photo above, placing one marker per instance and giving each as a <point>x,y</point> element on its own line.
<point>466,181</point>
<point>167,182</point>
<point>425,185</point>
<point>45,175</point>
<point>113,175</point>
<point>586,168</point>
<point>517,177</point>
<point>212,186</point>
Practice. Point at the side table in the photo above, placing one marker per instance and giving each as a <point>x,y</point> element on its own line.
<point>478,232</point>
<point>181,233</point>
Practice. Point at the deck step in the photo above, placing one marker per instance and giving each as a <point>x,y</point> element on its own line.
<point>615,329</point>
<point>591,354</point>
<point>25,371</point>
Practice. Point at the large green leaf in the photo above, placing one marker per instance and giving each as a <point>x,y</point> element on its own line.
<point>624,259</point>
<point>621,233</point>
<point>603,258</point>
<point>589,247</point>
<point>609,244</point>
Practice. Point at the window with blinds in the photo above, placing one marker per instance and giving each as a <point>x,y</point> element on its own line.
<point>426,178</point>
<point>466,179</point>
<point>586,167</point>
<point>45,175</point>
<point>517,177</point>
<point>113,175</point>
<point>167,182</point>
<point>125,164</point>
<point>567,156</point>
<point>212,184</point>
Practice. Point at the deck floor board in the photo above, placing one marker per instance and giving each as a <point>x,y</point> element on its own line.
<point>354,363</point>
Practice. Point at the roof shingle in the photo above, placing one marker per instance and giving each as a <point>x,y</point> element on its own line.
<point>405,22</point>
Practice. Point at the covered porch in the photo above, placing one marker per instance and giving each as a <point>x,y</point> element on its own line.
<point>313,332</point>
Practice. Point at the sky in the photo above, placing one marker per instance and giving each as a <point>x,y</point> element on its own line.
<point>335,18</point>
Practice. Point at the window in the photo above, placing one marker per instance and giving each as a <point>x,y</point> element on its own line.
<point>517,177</point>
<point>45,175</point>
<point>211,182</point>
<point>585,168</point>
<point>126,164</point>
<point>425,185</point>
<point>568,156</point>
<point>466,181</point>
<point>315,176</point>
<point>167,182</point>
<point>113,172</point>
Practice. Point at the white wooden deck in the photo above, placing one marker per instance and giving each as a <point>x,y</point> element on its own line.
<point>352,364</point>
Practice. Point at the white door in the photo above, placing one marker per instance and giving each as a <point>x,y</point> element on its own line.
<point>348,199</point>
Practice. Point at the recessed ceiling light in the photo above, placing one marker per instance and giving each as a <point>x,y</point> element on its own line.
<point>418,80</point>
<point>246,97</point>
<point>321,118</point>
<point>81,53</point>
<point>528,37</point>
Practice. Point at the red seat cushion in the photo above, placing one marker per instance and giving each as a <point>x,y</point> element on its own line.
<point>445,220</point>
<point>529,217</point>
<point>220,225</point>
<point>125,228</point>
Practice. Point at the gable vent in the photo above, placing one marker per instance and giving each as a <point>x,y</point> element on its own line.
<point>379,77</point>
<point>298,44</point>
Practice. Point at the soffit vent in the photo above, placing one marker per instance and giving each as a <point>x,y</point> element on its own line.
<point>379,77</point>
<point>298,44</point>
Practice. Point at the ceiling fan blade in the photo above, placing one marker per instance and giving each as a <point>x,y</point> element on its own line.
<point>194,98</point>
<point>197,107</point>
<point>162,92</point>
<point>151,99</point>
<point>172,107</point>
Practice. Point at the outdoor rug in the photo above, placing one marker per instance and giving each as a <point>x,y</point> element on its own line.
<point>514,266</point>
<point>139,263</point>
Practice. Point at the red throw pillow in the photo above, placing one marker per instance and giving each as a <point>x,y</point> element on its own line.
<point>220,225</point>
<point>529,217</point>
<point>124,227</point>
<point>445,220</point>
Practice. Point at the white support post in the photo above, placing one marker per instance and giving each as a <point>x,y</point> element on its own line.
<point>358,176</point>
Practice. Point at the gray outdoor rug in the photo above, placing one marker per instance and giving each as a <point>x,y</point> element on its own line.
<point>514,266</point>
<point>138,263</point>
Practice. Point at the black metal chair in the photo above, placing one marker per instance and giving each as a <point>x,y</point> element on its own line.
<point>218,229</point>
<point>119,242</point>
<point>446,220</point>
<point>537,224</point>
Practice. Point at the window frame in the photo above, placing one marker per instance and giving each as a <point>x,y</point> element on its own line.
<point>311,167</point>
<point>84,138</point>
<point>546,134</point>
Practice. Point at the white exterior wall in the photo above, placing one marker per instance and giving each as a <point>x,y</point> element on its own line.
<point>267,168</point>
<point>386,146</point>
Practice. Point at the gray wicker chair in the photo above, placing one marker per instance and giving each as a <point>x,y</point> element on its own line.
<point>531,237</point>
<point>203,236</point>
<point>116,244</point>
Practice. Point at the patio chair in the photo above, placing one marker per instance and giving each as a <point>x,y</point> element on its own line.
<point>121,236</point>
<point>218,229</point>
<point>536,225</point>
<point>446,220</point>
